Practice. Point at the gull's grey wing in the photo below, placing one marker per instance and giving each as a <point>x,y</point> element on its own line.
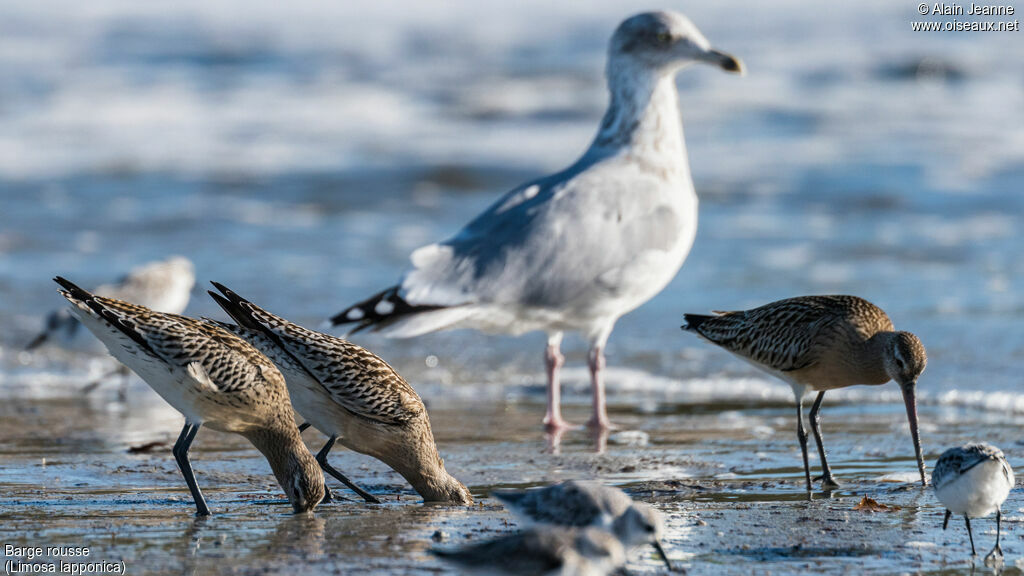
<point>553,240</point>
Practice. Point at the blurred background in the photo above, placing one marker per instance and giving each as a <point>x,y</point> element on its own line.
<point>299,153</point>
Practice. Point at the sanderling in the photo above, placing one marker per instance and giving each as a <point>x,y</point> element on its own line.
<point>578,503</point>
<point>351,395</point>
<point>212,377</point>
<point>973,480</point>
<point>575,250</point>
<point>542,550</point>
<point>821,343</point>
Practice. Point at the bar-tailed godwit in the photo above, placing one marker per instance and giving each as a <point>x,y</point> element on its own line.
<point>213,378</point>
<point>351,395</point>
<point>821,343</point>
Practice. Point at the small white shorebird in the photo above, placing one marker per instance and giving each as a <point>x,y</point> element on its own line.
<point>973,480</point>
<point>576,250</point>
<point>162,285</point>
<point>821,343</point>
<point>542,550</point>
<point>576,503</point>
<point>212,377</point>
<point>351,395</point>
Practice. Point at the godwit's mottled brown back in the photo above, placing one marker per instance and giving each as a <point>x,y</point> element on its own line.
<point>352,396</point>
<point>232,364</point>
<point>356,378</point>
<point>792,334</point>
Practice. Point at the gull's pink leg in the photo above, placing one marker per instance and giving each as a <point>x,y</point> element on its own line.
<point>553,359</point>
<point>599,419</point>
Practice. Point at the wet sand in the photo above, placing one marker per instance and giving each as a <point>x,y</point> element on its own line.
<point>726,477</point>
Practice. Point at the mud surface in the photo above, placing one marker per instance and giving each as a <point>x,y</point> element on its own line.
<point>725,476</point>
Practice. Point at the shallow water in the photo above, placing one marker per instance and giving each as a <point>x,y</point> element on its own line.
<point>299,156</point>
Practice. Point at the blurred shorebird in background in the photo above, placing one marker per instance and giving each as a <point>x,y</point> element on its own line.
<point>821,343</point>
<point>162,285</point>
<point>541,551</point>
<point>212,377</point>
<point>351,395</point>
<point>578,504</point>
<point>576,250</point>
<point>974,480</point>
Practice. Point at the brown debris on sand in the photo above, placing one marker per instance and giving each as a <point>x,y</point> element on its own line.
<point>867,504</point>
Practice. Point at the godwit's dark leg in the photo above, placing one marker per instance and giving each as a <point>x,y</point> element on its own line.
<point>945,522</point>
<point>801,435</point>
<point>970,535</point>
<point>321,457</point>
<point>827,481</point>
<point>180,451</point>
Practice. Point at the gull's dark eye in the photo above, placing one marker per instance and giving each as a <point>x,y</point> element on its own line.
<point>664,37</point>
<point>649,528</point>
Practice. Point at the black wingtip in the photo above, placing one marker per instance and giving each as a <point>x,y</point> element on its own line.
<point>231,304</point>
<point>693,321</point>
<point>221,301</point>
<point>71,287</point>
<point>226,291</point>
<point>338,319</point>
<point>368,315</point>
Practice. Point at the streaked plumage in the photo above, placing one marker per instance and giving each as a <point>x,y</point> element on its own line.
<point>352,396</point>
<point>213,378</point>
<point>576,250</point>
<point>576,503</point>
<point>973,481</point>
<point>821,343</point>
<point>543,550</point>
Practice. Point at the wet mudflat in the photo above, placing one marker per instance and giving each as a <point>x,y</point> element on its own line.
<point>726,477</point>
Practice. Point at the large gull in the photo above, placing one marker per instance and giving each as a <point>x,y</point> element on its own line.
<point>576,250</point>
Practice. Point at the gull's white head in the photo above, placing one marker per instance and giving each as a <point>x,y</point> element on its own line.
<point>664,42</point>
